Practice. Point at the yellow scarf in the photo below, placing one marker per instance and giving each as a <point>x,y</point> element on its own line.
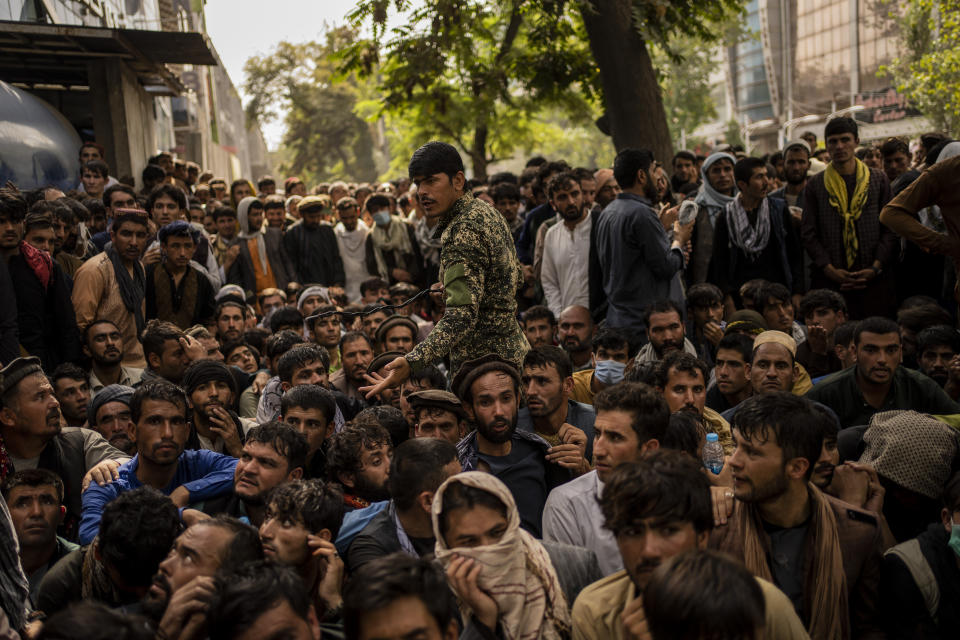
<point>851,209</point>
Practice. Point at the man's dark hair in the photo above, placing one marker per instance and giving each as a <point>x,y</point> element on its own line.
<point>627,163</point>
<point>940,335</point>
<point>121,188</point>
<point>372,284</point>
<point>388,417</point>
<point>137,529</point>
<point>152,173</point>
<point>502,177</point>
<point>505,191</point>
<point>703,594</point>
<point>353,336</point>
<point>241,596</point>
<point>285,316</point>
<point>86,330</point>
<point>231,303</point>
<point>417,466</point>
<point>317,504</point>
<point>821,299</point>
<point>661,306</point>
<point>93,620</point>
<point>875,324</point>
<point>376,202</point>
<point>33,478</point>
<point>98,167</point>
<point>561,181</point>
<point>681,361</point>
<point>346,448</point>
<point>224,212</point>
<point>844,333</point>
<point>156,334</point>
<point>841,125</point>
<point>684,433</point>
<point>381,582</point>
<point>38,218</point>
<point>548,355</point>
<point>13,206</point>
<point>435,157</point>
<point>70,371</point>
<point>458,495</point>
<point>309,396</point>
<point>245,545</point>
<point>920,317</point>
<point>740,343</point>
<point>539,312</point>
<point>284,439</point>
<point>665,485</point>
<point>300,356</point>
<point>279,343</point>
<point>703,295</point>
<point>744,168</point>
<point>609,339</point>
<point>774,290</point>
<point>546,171</point>
<point>168,190</point>
<point>71,211</point>
<point>156,390</point>
<point>651,415</point>
<point>683,154</point>
<point>94,207</point>
<point>788,419</point>
<point>233,345</point>
<point>892,146</point>
<point>432,376</point>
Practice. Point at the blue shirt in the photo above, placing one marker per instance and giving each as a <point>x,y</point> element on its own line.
<point>205,474</point>
<point>354,522</point>
<point>636,261</point>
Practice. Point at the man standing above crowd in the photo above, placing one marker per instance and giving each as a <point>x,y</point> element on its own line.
<point>176,291</point>
<point>796,164</point>
<point>479,271</point>
<point>637,260</point>
<point>718,188</point>
<point>841,227</point>
<point>113,284</point>
<point>312,246</point>
<point>566,247</point>
<point>352,234</point>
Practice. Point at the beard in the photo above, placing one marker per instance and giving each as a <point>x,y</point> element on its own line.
<point>498,437</point>
<point>773,489</point>
<point>154,607</point>
<point>368,490</point>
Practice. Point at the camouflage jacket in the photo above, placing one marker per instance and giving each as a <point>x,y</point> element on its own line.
<point>481,275</point>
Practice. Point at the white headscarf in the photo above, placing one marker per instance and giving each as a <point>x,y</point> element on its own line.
<point>243,217</point>
<point>950,150</point>
<point>516,571</point>
<point>708,197</point>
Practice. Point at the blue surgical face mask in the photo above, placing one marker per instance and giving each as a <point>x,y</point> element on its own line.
<point>954,542</point>
<point>382,218</point>
<point>609,372</point>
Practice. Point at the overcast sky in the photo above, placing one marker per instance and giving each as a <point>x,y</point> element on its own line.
<point>240,29</point>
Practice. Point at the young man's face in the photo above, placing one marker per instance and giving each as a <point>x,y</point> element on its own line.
<point>685,391</point>
<point>733,373</point>
<point>575,330</point>
<point>477,526</point>
<point>311,373</point>
<point>607,192</point>
<point>240,191</point>
<point>311,423</point>
<point>349,215</point>
<point>588,187</point>
<point>260,469</point>
<point>759,470</point>
<point>355,357</point>
<point>243,358</point>
<point>758,185</point>
<point>826,463</point>
<point>778,314</point>
<point>935,362</point>
<point>398,338</point>
<point>89,154</point>
<point>796,163</point>
<point>438,192</point>
<point>254,218</point>
<point>495,406</point>
<point>772,369</point>
<point>878,356</point>
<point>226,226</point>
<point>276,216</point>
<point>433,422</point>
<point>826,318</point>
<point>326,331</point>
<point>405,617</point>
<point>841,147</point>
<point>230,323</point>
<point>105,344</point>
<point>196,552</point>
<point>720,176</point>
<point>93,182</point>
<point>162,432</point>
<point>895,165</point>
<point>713,312</point>
<point>652,541</point>
<point>372,322</point>
<point>41,238</point>
<point>171,362</point>
<point>165,210</point>
<point>539,331</point>
<point>36,514</point>
<point>546,390</point>
<point>568,201</point>
<point>11,233</point>
<point>615,441</point>
<point>178,251</point>
<point>210,396</point>
<point>508,208</point>
<point>666,332</point>
<point>685,170</point>
<point>370,482</point>
<point>73,396</point>
<point>129,240</point>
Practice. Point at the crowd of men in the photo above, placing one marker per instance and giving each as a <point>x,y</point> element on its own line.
<point>447,408</point>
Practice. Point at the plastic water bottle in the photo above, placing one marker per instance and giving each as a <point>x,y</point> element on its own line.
<point>713,454</point>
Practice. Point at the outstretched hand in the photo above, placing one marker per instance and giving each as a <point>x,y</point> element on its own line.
<point>397,373</point>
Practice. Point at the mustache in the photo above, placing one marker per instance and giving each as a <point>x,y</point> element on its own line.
<point>53,414</point>
<point>648,565</point>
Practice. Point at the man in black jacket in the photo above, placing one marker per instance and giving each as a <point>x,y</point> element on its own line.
<point>312,247</point>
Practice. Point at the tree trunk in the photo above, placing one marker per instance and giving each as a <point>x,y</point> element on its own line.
<point>631,93</point>
<point>478,152</point>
